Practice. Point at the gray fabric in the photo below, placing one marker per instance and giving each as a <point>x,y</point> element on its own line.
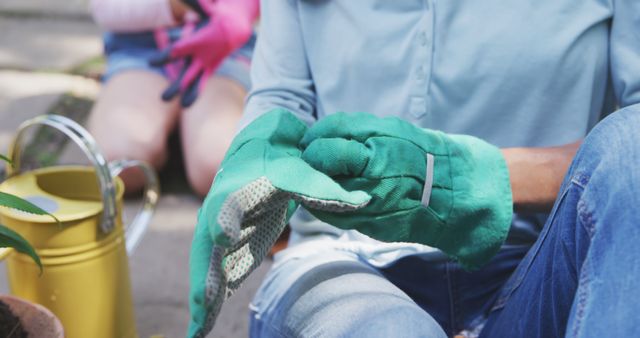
<point>252,218</point>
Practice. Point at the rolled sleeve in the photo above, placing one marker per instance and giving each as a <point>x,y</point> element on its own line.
<point>625,52</point>
<point>132,16</point>
<point>280,74</point>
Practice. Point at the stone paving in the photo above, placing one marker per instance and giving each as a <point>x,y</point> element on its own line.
<point>78,9</point>
<point>43,45</point>
<point>34,43</point>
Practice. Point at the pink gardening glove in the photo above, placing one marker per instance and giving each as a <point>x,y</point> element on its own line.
<point>229,26</point>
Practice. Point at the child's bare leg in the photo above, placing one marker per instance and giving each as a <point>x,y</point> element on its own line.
<point>207,129</point>
<point>130,121</point>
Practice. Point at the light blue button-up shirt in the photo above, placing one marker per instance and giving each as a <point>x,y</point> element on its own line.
<point>516,73</point>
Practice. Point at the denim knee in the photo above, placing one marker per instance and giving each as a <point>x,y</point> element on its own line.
<point>618,135</point>
<point>610,151</point>
<point>338,297</point>
<point>606,168</point>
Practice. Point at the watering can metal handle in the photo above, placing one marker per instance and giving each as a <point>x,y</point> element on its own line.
<point>89,147</point>
<point>104,171</point>
<point>136,229</point>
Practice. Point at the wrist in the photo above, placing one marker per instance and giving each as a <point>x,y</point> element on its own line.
<point>536,175</point>
<point>178,10</point>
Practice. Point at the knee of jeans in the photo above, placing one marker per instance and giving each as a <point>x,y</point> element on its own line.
<point>398,321</point>
<point>611,148</point>
<point>345,299</point>
<point>606,166</point>
<point>617,135</point>
<point>349,317</point>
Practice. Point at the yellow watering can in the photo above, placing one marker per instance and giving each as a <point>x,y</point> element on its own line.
<point>85,277</point>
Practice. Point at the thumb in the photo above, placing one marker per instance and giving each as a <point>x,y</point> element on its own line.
<point>337,156</point>
<point>312,187</point>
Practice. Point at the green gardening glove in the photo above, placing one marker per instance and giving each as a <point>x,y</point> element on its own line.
<point>451,192</point>
<point>261,181</point>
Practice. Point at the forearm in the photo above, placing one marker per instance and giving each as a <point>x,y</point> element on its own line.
<point>280,74</point>
<point>537,173</point>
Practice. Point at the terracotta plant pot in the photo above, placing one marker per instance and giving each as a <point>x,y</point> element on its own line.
<point>37,320</point>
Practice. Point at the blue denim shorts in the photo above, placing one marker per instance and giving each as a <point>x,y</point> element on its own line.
<point>131,51</point>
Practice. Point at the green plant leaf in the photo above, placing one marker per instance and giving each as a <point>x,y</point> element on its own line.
<point>15,202</point>
<point>6,159</point>
<point>11,239</point>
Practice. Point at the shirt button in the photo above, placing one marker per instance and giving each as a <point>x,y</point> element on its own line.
<point>418,107</point>
<point>423,39</point>
<point>420,73</point>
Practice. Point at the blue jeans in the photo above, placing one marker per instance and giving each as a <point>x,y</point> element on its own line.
<point>580,279</point>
